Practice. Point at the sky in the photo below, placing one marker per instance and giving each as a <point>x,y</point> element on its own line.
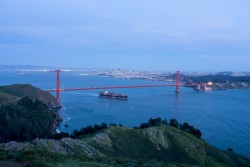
<point>156,35</point>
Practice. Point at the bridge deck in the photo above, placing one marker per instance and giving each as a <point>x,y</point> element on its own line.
<point>117,87</point>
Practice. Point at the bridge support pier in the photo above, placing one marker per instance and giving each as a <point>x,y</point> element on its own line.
<point>58,89</point>
<point>178,82</point>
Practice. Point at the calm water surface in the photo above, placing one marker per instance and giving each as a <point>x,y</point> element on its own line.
<point>222,116</point>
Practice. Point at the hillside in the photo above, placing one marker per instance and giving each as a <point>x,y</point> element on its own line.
<point>5,98</point>
<point>27,119</point>
<point>121,146</point>
<point>17,91</point>
<point>26,112</point>
<point>219,78</point>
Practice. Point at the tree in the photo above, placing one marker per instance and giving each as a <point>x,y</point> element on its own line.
<point>174,123</point>
<point>104,126</point>
<point>26,120</point>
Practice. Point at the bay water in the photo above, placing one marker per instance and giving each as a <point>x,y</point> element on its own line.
<point>223,116</point>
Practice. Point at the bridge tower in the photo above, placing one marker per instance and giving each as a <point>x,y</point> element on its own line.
<point>58,89</point>
<point>178,78</point>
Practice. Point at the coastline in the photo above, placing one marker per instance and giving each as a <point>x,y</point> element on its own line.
<point>232,85</point>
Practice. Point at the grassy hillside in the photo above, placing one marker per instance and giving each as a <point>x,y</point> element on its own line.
<point>120,146</point>
<point>26,113</point>
<point>163,144</point>
<point>5,98</point>
<point>16,91</point>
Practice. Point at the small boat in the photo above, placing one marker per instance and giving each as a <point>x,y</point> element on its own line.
<point>113,95</point>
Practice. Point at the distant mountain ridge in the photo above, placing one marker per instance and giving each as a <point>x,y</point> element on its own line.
<point>231,73</point>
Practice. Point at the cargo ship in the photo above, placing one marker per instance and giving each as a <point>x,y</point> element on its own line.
<point>113,95</point>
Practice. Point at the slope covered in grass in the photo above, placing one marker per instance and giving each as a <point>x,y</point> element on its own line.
<point>121,146</point>
<point>5,98</point>
<point>162,143</point>
<point>12,92</point>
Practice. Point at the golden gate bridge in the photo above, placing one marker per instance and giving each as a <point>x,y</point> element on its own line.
<point>58,89</point>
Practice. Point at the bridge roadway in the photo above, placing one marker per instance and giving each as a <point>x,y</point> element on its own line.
<point>117,87</point>
<point>58,89</point>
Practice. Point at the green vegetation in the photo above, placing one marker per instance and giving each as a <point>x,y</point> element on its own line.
<point>174,123</point>
<point>26,113</point>
<point>26,119</point>
<point>155,143</point>
<point>15,92</point>
<point>88,130</point>
<point>4,98</point>
<point>120,146</point>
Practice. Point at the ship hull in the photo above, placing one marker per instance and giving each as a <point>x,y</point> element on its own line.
<point>113,95</point>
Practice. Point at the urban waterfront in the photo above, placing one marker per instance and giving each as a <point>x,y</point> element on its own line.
<point>222,116</point>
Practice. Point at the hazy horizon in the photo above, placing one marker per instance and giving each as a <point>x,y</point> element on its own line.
<point>122,69</point>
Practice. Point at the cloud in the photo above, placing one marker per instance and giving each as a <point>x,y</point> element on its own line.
<point>161,30</point>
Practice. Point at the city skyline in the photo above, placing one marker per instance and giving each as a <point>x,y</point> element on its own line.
<point>140,35</point>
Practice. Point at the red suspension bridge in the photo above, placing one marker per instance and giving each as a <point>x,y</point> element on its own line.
<point>58,89</point>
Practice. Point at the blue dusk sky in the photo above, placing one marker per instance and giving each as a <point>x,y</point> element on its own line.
<point>159,35</point>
